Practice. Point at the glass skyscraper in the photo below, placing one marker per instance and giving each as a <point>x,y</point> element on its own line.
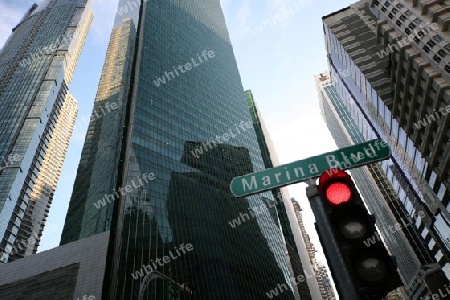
<point>98,169</point>
<point>37,116</point>
<point>156,170</point>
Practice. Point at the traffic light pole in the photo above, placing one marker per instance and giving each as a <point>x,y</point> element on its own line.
<point>341,276</point>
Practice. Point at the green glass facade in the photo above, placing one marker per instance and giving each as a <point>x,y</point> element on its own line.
<point>98,170</point>
<point>268,155</point>
<point>186,121</point>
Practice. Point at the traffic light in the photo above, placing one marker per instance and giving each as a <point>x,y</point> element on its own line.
<point>372,269</point>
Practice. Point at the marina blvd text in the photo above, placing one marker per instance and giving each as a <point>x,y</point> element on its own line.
<point>314,171</point>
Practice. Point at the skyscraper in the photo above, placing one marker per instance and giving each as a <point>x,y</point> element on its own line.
<point>98,168</point>
<point>297,246</point>
<point>47,179</point>
<point>387,63</point>
<point>393,221</point>
<point>156,170</point>
<point>320,270</point>
<point>324,282</point>
<point>37,116</point>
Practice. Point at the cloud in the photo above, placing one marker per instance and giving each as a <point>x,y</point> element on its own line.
<point>275,3</point>
<point>104,13</point>
<point>9,18</point>
<point>242,12</point>
<point>311,135</point>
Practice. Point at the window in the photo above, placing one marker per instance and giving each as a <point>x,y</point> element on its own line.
<point>426,49</point>
<point>420,91</point>
<point>431,43</point>
<point>447,68</point>
<point>442,52</point>
<point>437,58</point>
<point>437,38</point>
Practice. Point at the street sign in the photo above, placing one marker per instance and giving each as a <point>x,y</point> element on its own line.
<point>345,158</point>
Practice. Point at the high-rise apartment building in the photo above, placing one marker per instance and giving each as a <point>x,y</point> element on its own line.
<point>37,116</point>
<point>155,171</point>
<point>47,179</point>
<point>326,288</point>
<point>394,223</point>
<point>309,246</point>
<point>388,64</point>
<point>321,274</point>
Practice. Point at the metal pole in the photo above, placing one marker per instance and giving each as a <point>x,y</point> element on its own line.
<point>344,284</point>
<point>153,275</point>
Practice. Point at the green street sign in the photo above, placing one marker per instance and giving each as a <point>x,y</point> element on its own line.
<point>345,158</point>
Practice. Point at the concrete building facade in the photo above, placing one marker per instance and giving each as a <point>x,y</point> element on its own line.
<point>391,58</point>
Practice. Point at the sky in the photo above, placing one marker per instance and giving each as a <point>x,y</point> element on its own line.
<point>277,57</point>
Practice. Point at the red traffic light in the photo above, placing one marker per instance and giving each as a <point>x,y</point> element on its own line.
<point>336,186</point>
<point>372,270</point>
<point>338,193</point>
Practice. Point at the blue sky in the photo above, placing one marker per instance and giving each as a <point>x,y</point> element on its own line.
<point>277,63</point>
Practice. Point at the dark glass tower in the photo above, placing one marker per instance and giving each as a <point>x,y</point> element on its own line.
<point>183,117</point>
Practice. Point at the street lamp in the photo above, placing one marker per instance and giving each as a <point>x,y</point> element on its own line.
<point>155,274</point>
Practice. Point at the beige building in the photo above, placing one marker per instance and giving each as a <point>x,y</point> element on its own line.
<point>47,179</point>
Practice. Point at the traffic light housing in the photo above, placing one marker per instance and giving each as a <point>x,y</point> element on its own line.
<point>372,269</point>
